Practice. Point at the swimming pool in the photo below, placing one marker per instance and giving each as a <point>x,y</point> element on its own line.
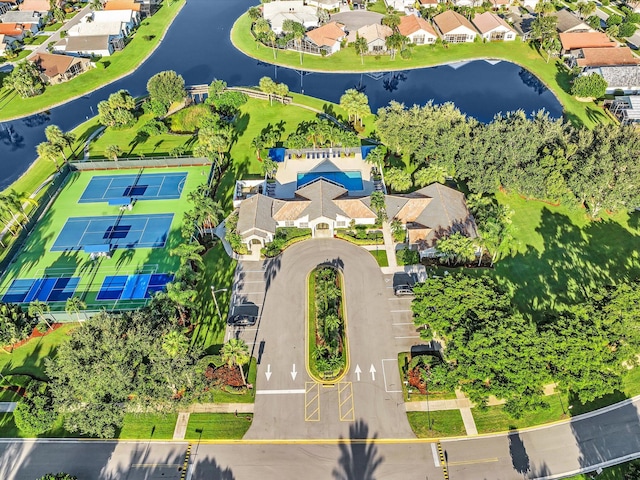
<point>349,180</point>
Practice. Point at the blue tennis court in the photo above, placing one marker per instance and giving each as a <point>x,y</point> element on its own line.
<point>26,290</point>
<point>147,186</point>
<point>132,287</point>
<point>128,231</point>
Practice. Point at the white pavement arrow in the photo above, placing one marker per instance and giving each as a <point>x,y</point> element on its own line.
<point>293,372</point>
<point>268,372</point>
<point>358,372</point>
<point>372,370</point>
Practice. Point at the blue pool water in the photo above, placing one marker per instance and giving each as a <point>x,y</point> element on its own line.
<point>349,180</point>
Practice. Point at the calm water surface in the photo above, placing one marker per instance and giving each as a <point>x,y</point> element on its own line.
<point>198,47</point>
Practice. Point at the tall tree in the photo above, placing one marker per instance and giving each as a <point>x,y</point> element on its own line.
<point>361,47</point>
<point>268,86</point>
<point>166,87</point>
<point>75,305</point>
<point>118,110</point>
<point>112,152</point>
<point>356,104</point>
<point>39,309</point>
<point>48,152</point>
<point>25,80</point>
<point>59,139</point>
<point>236,352</point>
<point>297,32</point>
<point>398,179</point>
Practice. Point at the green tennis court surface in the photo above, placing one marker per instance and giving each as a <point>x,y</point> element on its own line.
<point>60,257</point>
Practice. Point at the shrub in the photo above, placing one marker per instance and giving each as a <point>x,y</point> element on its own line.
<point>627,29</point>
<point>153,127</point>
<point>15,324</point>
<point>189,119</point>
<point>592,85</point>
<point>42,327</point>
<point>156,107</point>
<point>34,414</point>
<point>408,257</point>
<point>614,19</point>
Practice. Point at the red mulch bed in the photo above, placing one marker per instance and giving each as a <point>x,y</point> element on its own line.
<point>34,334</point>
<point>224,376</point>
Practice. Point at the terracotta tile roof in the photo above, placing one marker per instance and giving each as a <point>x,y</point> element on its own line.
<point>52,64</point>
<point>573,40</point>
<point>327,35</point>
<point>11,29</point>
<point>600,57</point>
<point>35,6</point>
<point>410,24</point>
<point>122,5</point>
<point>451,20</point>
<point>487,21</point>
<point>374,32</point>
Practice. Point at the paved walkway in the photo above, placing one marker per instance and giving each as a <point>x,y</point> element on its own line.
<point>461,403</point>
<point>467,416</point>
<point>183,417</point>
<point>7,407</point>
<point>389,246</point>
<point>181,426</point>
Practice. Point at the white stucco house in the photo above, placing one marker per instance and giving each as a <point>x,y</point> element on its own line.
<point>327,37</point>
<point>278,11</point>
<point>493,28</point>
<point>418,30</point>
<point>454,28</point>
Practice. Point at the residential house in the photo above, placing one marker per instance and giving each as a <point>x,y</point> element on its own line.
<point>576,40</point>
<point>17,31</point>
<point>118,23</point>
<point>417,29</point>
<point>330,5</point>
<point>6,42</point>
<point>59,68</point>
<point>430,3</point>
<point>454,28</point>
<point>111,5</point>
<point>568,22</point>
<point>521,24</point>
<point>41,6</point>
<point>626,109</point>
<point>428,214</point>
<point>16,16</point>
<point>399,5</point>
<point>129,18</point>
<point>92,45</point>
<point>493,28</point>
<point>280,10</point>
<point>375,35</point>
<point>327,37</point>
<point>620,78</point>
<point>586,58</point>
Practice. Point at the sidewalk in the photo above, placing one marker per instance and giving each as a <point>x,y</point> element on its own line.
<point>183,417</point>
<point>389,245</point>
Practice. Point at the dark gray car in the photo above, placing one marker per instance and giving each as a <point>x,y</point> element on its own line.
<point>242,320</point>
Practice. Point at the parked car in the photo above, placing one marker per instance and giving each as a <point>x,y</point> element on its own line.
<point>242,320</point>
<point>403,290</point>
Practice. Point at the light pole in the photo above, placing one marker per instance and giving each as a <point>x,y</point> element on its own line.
<point>215,300</point>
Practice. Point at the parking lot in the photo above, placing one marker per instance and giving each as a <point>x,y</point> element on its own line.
<point>247,299</point>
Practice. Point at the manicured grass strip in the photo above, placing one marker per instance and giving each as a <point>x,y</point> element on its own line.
<point>219,269</point>
<point>381,257</point>
<point>444,423</point>
<point>53,27</point>
<point>29,358</point>
<point>495,419</point>
<point>616,472</point>
<point>223,426</point>
<point>553,74</point>
<point>117,65</point>
<point>148,426</point>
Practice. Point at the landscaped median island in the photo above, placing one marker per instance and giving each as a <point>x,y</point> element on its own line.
<point>328,347</point>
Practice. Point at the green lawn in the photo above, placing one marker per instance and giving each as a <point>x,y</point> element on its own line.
<point>444,423</point>
<point>495,419</point>
<point>29,358</point>
<point>553,74</point>
<point>611,473</point>
<point>36,259</point>
<point>148,426</point>
<point>223,426</point>
<point>133,145</point>
<point>117,65</point>
<point>381,257</point>
<point>219,270</point>
<point>563,256</point>
<point>379,7</point>
<point>37,40</point>
<point>53,27</point>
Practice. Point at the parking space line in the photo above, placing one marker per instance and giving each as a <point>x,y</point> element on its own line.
<point>345,402</point>
<point>409,336</point>
<point>384,374</point>
<point>312,402</point>
<point>248,305</point>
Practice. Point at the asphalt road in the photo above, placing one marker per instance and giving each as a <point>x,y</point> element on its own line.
<point>289,404</point>
<point>542,453</point>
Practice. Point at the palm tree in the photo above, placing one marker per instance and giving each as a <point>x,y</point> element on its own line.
<point>268,86</point>
<point>297,31</point>
<point>331,324</point>
<point>356,104</point>
<point>236,352</point>
<point>456,249</point>
<point>189,253</point>
<point>282,90</point>
<point>112,152</point>
<point>183,296</point>
<point>270,37</point>
<point>398,179</point>
<point>74,305</point>
<point>59,139</point>
<point>174,343</point>
<point>432,173</point>
<point>361,47</point>
<point>586,8</point>
<point>394,43</point>
<point>39,309</point>
<point>10,203</point>
<point>48,152</point>
<point>397,230</point>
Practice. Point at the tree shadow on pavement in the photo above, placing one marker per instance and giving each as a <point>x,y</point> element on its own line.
<point>518,452</point>
<point>359,458</point>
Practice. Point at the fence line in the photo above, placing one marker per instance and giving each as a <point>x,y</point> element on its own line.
<point>138,162</point>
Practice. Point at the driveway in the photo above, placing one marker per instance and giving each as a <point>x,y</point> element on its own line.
<point>289,404</point>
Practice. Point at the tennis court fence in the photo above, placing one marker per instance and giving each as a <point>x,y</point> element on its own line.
<point>139,162</point>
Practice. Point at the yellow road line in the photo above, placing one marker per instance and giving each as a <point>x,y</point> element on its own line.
<point>345,402</point>
<point>471,462</point>
<point>312,402</point>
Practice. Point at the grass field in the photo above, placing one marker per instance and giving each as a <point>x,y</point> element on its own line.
<point>521,53</point>
<point>108,68</point>
<point>381,257</point>
<point>444,423</point>
<point>224,426</point>
<point>36,259</point>
<point>29,358</point>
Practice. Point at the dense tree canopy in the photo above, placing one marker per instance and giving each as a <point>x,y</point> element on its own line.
<point>592,85</point>
<point>25,80</point>
<point>117,110</point>
<point>166,87</point>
